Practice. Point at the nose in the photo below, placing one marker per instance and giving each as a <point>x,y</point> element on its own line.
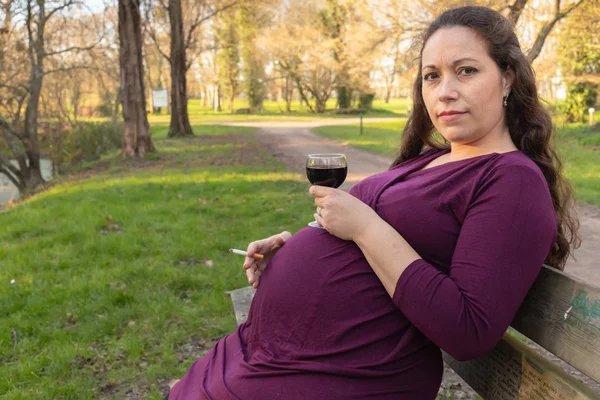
<point>447,90</point>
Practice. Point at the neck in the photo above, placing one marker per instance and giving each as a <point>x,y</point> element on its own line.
<point>494,142</point>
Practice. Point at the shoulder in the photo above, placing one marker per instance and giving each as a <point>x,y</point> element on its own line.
<point>514,180</point>
<point>515,168</point>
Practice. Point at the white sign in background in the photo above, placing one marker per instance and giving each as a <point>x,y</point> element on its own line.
<point>160,98</point>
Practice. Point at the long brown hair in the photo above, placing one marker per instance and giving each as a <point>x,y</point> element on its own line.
<point>529,123</point>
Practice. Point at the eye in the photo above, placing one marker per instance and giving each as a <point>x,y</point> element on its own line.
<point>430,76</point>
<point>467,71</point>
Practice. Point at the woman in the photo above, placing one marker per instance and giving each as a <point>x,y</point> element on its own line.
<point>437,252</point>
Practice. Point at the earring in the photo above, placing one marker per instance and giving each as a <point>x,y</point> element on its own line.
<point>506,101</point>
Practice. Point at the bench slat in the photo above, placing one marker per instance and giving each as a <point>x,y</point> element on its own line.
<point>514,371</point>
<point>562,315</point>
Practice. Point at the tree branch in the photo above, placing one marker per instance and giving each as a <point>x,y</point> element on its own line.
<point>569,9</point>
<point>536,49</point>
<point>8,173</point>
<point>68,69</point>
<point>516,9</point>
<point>3,85</point>
<point>72,48</point>
<point>200,21</point>
<point>152,35</point>
<point>55,10</point>
<point>10,136</point>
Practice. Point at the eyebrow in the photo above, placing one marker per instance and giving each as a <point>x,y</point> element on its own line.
<point>459,61</point>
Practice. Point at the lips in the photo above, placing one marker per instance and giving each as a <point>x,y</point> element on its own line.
<point>450,115</point>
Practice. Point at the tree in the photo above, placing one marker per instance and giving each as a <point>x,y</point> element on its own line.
<point>185,19</point>
<point>136,138</point>
<point>253,71</point>
<point>31,52</point>
<point>303,53</point>
<point>180,121</point>
<point>579,52</point>
<point>226,31</point>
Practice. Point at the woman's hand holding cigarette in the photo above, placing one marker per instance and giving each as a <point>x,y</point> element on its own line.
<point>267,247</point>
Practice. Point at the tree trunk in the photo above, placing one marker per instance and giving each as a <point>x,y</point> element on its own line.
<point>344,97</point>
<point>5,30</point>
<point>136,138</point>
<point>231,96</point>
<point>115,111</point>
<point>289,92</point>
<point>180,121</point>
<point>204,97</point>
<point>218,108</point>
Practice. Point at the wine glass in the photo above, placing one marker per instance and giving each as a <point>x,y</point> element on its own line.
<point>326,170</point>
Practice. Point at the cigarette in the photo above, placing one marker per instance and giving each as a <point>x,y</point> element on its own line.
<point>256,256</point>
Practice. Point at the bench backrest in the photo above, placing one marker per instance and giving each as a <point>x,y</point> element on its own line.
<point>560,313</point>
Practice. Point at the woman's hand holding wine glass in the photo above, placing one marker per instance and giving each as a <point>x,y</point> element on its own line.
<point>340,213</point>
<point>328,170</point>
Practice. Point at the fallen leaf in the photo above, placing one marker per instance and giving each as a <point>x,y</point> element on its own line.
<point>180,196</point>
<point>131,323</point>
<point>143,365</point>
<point>208,263</point>
<point>202,200</point>
<point>101,316</point>
<point>71,320</point>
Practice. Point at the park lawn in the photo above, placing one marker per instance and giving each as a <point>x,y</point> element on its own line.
<point>578,145</point>
<point>120,273</point>
<point>275,111</point>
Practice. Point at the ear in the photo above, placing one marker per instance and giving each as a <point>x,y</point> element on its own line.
<point>508,78</point>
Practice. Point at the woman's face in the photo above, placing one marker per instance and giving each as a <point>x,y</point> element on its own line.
<point>463,88</point>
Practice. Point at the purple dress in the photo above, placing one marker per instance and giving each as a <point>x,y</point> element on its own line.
<point>322,326</point>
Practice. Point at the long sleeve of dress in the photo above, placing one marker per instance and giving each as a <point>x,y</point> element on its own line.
<point>507,232</point>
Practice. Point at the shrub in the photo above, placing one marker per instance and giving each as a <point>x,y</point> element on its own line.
<point>581,97</point>
<point>85,142</point>
<point>365,101</point>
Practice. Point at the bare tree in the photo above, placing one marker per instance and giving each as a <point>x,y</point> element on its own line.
<point>21,136</point>
<point>136,139</point>
<point>185,45</point>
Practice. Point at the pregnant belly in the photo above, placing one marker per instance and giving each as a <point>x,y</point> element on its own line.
<point>319,300</point>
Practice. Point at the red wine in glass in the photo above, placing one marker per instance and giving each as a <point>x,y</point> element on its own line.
<point>330,176</point>
<point>326,170</point>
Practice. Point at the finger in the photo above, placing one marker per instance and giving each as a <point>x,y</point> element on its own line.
<point>250,274</point>
<point>320,191</point>
<point>320,220</point>
<point>285,235</point>
<point>257,247</point>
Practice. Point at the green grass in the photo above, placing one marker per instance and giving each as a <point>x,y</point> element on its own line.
<point>274,111</point>
<point>578,145</point>
<point>120,278</point>
<point>382,137</point>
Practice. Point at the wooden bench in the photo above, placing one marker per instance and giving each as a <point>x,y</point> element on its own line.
<point>561,314</point>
